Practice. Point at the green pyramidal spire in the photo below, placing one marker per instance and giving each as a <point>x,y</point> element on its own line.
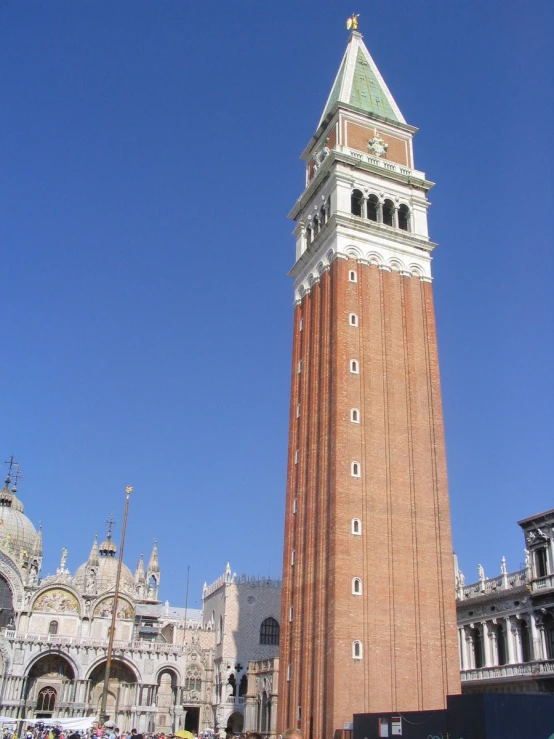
<point>360,85</point>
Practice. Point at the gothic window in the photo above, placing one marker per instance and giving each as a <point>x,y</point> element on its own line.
<point>357,650</point>
<point>404,218</point>
<point>388,212</point>
<point>541,568</point>
<point>355,469</point>
<point>356,203</point>
<point>6,603</point>
<point>354,367</point>
<point>269,631</point>
<point>356,586</point>
<point>46,700</point>
<point>355,415</point>
<point>372,207</point>
<point>243,686</point>
<point>353,319</point>
<point>356,527</point>
<point>193,680</point>
<point>352,276</point>
<point>53,627</point>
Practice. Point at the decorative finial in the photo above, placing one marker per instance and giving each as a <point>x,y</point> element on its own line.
<point>11,463</point>
<point>111,522</point>
<point>18,474</point>
<point>128,489</point>
<point>352,22</point>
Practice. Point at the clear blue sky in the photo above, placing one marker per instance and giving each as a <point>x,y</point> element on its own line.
<point>149,157</point>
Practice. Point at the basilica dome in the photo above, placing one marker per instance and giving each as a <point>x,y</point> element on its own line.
<point>17,533</point>
<point>103,561</point>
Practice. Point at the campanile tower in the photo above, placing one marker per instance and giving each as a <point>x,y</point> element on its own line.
<point>368,612</point>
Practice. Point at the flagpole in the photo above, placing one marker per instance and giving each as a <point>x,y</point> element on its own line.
<point>103,716</point>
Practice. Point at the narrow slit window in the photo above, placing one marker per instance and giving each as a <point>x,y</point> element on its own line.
<point>353,319</point>
<point>356,527</point>
<point>355,469</point>
<point>357,650</point>
<point>354,367</point>
<point>298,411</point>
<point>355,415</point>
<point>292,556</point>
<point>296,456</point>
<point>356,586</point>
<point>299,366</point>
<point>294,506</point>
<point>352,276</point>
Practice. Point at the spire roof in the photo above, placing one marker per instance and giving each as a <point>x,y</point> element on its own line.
<point>93,556</point>
<point>37,546</point>
<point>359,84</point>
<point>154,564</point>
<point>139,572</point>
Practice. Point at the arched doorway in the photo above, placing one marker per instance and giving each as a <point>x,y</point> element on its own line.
<point>49,682</point>
<point>121,691</point>
<point>235,723</point>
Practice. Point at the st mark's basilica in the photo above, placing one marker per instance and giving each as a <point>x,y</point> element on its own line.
<point>171,669</point>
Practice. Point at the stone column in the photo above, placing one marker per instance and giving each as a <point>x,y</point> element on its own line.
<point>493,644</point>
<point>536,651</point>
<point>395,216</point>
<point>470,652</point>
<point>379,211</point>
<point>516,633</point>
<point>510,658</point>
<point>363,207</point>
<point>464,662</point>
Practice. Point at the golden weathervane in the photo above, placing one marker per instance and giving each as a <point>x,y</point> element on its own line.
<point>352,22</point>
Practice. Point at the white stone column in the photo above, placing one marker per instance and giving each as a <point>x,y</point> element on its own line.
<point>536,651</point>
<point>462,648</point>
<point>518,650</point>
<point>493,637</point>
<point>470,652</point>
<point>510,656</point>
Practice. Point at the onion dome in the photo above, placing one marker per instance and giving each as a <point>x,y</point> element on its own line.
<point>17,533</point>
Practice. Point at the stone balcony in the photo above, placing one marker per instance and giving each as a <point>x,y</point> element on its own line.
<point>137,645</point>
<point>541,584</point>
<point>525,670</point>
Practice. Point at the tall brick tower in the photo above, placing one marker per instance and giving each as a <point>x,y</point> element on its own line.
<point>368,613</point>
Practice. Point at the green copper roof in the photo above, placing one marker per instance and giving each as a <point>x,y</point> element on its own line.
<point>335,92</point>
<point>359,84</point>
<point>367,93</point>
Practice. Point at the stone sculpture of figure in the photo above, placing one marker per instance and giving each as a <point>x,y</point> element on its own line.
<point>33,574</point>
<point>63,561</point>
<point>503,569</point>
<point>481,572</point>
<point>90,584</point>
<point>527,563</point>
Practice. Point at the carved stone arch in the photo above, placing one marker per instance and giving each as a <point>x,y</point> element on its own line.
<point>168,667</point>
<point>415,269</point>
<point>59,653</point>
<point>10,573</point>
<point>374,257</point>
<point>396,265</point>
<point>57,588</point>
<point>124,660</point>
<point>353,252</point>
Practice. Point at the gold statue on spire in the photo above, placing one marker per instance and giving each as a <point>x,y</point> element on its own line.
<point>352,22</point>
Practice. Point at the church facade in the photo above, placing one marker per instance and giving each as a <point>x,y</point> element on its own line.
<point>171,669</point>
